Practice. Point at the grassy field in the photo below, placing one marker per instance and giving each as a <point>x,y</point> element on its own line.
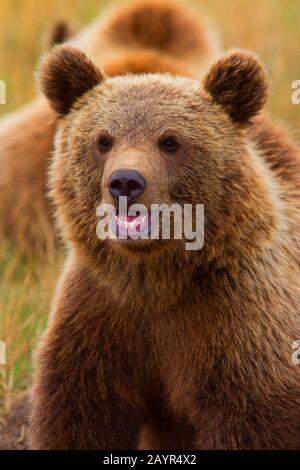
<point>269,27</point>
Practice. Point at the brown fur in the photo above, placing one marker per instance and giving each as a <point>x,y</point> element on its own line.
<point>111,43</point>
<point>149,345</point>
<point>158,25</point>
<point>141,61</point>
<point>60,32</point>
<point>241,92</point>
<point>25,212</point>
<point>70,80</point>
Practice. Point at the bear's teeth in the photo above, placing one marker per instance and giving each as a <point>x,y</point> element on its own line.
<point>133,224</point>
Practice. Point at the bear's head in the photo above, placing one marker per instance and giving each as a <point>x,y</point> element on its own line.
<point>153,139</point>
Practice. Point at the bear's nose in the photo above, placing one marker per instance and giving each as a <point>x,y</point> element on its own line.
<point>128,183</point>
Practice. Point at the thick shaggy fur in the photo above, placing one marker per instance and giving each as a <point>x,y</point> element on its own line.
<point>148,345</point>
<point>148,36</point>
<point>231,85</point>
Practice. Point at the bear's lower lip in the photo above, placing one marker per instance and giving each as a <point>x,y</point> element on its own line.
<point>134,227</point>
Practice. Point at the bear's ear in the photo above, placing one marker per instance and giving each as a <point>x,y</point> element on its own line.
<point>65,74</point>
<point>238,83</point>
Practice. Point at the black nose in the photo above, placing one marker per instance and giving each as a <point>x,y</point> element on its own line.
<point>128,183</point>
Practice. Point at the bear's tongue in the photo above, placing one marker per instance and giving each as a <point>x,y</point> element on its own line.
<point>135,224</point>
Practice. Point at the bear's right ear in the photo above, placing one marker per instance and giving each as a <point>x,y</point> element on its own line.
<point>65,74</point>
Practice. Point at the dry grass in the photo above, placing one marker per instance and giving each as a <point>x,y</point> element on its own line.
<point>269,27</point>
<point>25,293</point>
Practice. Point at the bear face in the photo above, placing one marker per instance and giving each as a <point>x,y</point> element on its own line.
<point>185,141</point>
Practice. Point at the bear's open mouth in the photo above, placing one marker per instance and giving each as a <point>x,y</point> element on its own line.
<point>133,226</point>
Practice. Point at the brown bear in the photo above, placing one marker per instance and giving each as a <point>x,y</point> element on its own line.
<point>150,345</point>
<point>142,36</point>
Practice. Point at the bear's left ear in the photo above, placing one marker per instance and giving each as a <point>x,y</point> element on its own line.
<point>238,83</point>
<point>65,74</point>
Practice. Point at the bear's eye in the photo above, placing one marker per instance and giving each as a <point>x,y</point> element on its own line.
<point>105,143</point>
<point>169,144</point>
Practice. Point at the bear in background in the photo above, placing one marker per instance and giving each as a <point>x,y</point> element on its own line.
<point>142,36</point>
<point>149,345</point>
